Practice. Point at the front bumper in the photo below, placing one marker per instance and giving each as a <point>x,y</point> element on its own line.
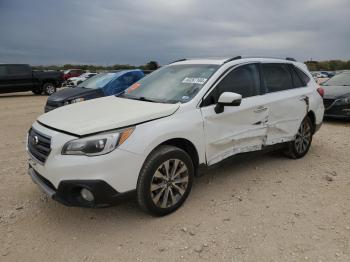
<point>118,169</point>
<point>68,191</point>
<point>338,111</point>
<point>49,108</point>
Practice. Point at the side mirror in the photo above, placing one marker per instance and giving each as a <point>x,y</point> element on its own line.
<point>227,99</point>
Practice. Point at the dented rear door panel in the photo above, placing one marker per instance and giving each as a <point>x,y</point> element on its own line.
<point>287,109</point>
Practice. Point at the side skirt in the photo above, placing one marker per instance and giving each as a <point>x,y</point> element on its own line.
<point>204,168</point>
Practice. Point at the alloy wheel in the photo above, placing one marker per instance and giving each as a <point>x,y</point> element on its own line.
<point>169,183</point>
<point>303,137</point>
<point>50,89</point>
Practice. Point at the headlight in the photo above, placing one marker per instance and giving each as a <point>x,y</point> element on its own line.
<point>97,145</point>
<point>76,100</point>
<point>343,101</point>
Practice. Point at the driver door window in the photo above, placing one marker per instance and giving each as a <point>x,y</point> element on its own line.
<point>244,80</point>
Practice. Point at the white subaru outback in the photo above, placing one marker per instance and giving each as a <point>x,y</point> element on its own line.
<point>157,136</point>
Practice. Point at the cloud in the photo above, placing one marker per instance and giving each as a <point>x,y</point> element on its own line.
<point>111,32</point>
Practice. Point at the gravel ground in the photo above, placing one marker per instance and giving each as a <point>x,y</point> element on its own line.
<point>253,208</point>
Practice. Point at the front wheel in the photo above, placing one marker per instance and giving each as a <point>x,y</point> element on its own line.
<point>49,88</point>
<point>165,180</point>
<point>302,142</point>
<point>37,91</point>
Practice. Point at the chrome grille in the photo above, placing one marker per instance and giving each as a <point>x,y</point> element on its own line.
<point>39,145</point>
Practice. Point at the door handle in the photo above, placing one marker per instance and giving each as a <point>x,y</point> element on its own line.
<point>260,109</point>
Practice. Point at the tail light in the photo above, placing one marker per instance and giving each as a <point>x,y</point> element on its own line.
<point>320,90</point>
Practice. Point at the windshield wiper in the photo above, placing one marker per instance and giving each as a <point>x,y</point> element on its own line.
<point>142,98</point>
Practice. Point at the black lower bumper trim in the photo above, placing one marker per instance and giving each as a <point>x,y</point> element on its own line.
<point>68,191</point>
<point>44,185</point>
<point>340,117</point>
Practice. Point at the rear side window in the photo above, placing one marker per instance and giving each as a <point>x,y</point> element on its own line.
<point>302,75</point>
<point>18,70</point>
<point>3,71</point>
<point>129,78</point>
<point>244,80</point>
<point>297,81</point>
<point>277,77</point>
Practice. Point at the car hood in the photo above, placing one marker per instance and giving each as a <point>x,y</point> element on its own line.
<point>103,114</point>
<point>336,91</point>
<point>70,93</point>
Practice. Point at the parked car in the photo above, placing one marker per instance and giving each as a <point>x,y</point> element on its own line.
<point>169,126</point>
<point>321,75</point>
<point>72,73</point>
<point>21,77</point>
<point>104,84</point>
<point>337,96</point>
<point>327,74</point>
<point>74,81</point>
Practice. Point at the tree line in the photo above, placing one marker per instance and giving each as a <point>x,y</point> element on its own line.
<point>152,65</point>
<point>329,65</point>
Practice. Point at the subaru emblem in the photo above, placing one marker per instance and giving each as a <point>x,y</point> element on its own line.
<point>35,140</point>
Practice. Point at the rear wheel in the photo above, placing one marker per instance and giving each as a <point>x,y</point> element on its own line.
<point>165,180</point>
<point>302,142</point>
<point>49,88</point>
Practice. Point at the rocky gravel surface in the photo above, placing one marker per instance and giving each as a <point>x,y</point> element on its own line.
<point>261,207</point>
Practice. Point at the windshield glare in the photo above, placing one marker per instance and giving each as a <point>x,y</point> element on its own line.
<point>343,79</point>
<point>97,81</point>
<point>174,83</point>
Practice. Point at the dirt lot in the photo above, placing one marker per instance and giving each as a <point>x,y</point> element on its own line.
<point>256,208</point>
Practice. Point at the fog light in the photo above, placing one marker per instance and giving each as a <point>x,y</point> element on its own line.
<point>87,195</point>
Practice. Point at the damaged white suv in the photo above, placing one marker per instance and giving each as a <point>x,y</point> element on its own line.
<point>164,129</point>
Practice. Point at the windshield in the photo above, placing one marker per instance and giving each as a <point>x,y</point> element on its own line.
<point>172,84</point>
<point>343,79</point>
<point>97,81</point>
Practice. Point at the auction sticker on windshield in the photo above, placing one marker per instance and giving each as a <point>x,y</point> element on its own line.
<point>133,87</point>
<point>194,80</point>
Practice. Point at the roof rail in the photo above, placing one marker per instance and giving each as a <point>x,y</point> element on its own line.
<point>180,60</point>
<point>240,57</point>
<point>291,59</point>
<point>232,59</point>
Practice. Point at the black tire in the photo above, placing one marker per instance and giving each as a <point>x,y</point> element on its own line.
<point>155,163</point>
<point>37,91</point>
<point>294,149</point>
<point>49,88</point>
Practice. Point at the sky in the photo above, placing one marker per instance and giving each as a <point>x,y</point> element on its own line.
<point>107,32</point>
